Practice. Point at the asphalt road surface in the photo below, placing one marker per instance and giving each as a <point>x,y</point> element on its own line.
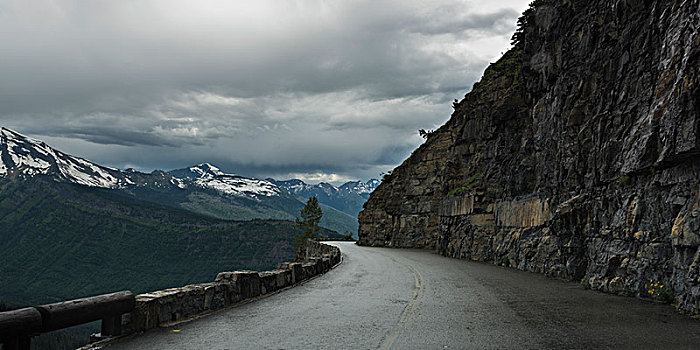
<point>381,298</point>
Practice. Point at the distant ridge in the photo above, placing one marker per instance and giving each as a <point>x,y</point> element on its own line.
<point>347,198</point>
<point>202,188</point>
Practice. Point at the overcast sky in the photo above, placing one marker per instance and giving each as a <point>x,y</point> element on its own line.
<point>318,90</point>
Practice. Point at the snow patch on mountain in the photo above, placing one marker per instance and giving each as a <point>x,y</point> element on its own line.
<point>347,198</point>
<point>361,188</point>
<point>208,176</point>
<point>199,171</point>
<point>296,186</point>
<point>239,186</point>
<point>24,155</point>
<point>328,188</point>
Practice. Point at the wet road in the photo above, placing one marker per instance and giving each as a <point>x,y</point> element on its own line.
<point>381,298</point>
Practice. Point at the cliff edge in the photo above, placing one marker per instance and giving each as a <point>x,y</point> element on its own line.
<point>577,155</point>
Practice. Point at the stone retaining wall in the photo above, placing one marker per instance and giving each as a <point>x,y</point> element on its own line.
<point>312,249</point>
<point>168,306</point>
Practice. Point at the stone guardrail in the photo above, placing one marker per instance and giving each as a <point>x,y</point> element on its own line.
<point>169,306</point>
<point>122,313</point>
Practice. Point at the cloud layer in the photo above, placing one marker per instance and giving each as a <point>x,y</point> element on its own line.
<point>315,89</point>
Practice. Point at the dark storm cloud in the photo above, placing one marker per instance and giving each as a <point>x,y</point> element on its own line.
<point>447,20</point>
<point>268,87</point>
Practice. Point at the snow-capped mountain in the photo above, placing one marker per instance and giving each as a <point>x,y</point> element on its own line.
<point>209,176</point>
<point>202,170</point>
<point>202,188</point>
<point>21,155</point>
<point>299,187</point>
<point>347,198</point>
<point>361,188</point>
<point>294,186</point>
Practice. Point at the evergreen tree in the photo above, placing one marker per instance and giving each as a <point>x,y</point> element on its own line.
<point>310,218</point>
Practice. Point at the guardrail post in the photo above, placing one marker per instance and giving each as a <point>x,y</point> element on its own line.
<point>111,325</point>
<point>17,344</point>
<point>18,326</point>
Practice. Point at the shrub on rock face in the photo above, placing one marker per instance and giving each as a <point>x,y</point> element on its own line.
<point>466,186</point>
<point>523,21</point>
<point>426,134</point>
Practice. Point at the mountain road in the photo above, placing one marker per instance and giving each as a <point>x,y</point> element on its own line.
<point>383,298</point>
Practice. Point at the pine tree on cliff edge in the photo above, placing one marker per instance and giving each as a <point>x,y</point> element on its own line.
<point>310,218</point>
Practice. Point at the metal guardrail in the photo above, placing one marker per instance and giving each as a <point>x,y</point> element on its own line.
<point>17,327</point>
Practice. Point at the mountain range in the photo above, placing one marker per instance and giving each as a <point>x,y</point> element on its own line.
<point>348,198</point>
<point>202,188</point>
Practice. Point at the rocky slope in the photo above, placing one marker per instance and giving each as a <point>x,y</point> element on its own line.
<point>575,156</point>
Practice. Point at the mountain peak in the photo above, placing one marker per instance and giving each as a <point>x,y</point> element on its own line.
<point>199,171</point>
<point>9,134</point>
<point>361,188</point>
<point>23,155</point>
<point>207,168</point>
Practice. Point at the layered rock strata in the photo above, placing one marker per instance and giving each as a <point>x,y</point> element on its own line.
<point>577,155</point>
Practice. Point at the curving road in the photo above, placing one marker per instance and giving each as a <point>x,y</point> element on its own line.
<point>381,298</point>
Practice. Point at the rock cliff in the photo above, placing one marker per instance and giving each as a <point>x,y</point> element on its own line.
<point>577,155</point>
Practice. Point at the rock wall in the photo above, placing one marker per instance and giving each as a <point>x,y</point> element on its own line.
<point>165,307</point>
<point>313,249</point>
<point>575,156</point>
